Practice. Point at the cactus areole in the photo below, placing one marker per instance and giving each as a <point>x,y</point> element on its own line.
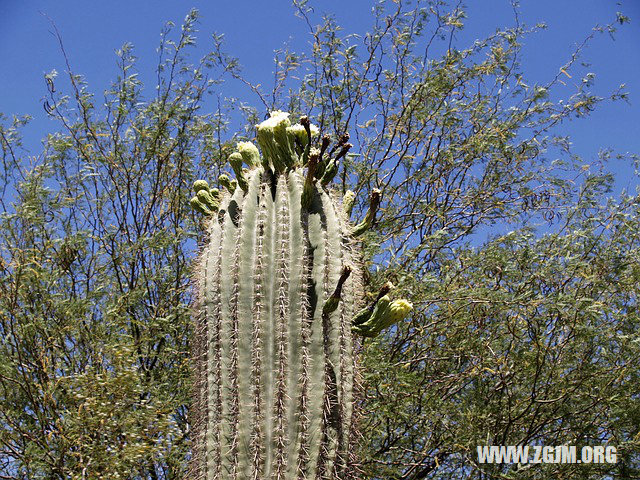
<point>279,285</point>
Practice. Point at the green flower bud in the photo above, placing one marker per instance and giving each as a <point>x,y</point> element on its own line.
<point>307,192</point>
<point>200,185</point>
<point>207,200</point>
<point>385,314</point>
<point>235,159</point>
<point>330,171</point>
<point>298,131</point>
<point>250,153</point>
<point>348,200</point>
<point>374,203</point>
<point>398,310</point>
<point>225,181</point>
<point>362,316</point>
<point>273,139</point>
<point>199,207</point>
<point>331,304</point>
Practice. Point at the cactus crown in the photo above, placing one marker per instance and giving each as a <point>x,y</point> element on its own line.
<point>279,288</point>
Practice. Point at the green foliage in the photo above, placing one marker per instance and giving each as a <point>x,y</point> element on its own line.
<point>95,254</point>
<point>529,337</point>
<point>524,341</point>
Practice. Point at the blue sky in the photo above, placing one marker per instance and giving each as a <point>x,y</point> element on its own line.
<point>92,31</point>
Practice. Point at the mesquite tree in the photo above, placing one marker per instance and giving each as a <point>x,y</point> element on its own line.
<point>527,337</point>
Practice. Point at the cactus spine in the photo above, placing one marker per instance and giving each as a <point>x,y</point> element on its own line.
<point>279,283</point>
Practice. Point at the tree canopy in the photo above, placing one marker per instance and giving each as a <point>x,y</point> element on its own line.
<point>524,338</point>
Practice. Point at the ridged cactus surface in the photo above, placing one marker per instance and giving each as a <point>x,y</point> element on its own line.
<point>279,288</point>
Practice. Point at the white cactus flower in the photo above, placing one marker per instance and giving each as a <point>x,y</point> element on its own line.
<point>277,119</point>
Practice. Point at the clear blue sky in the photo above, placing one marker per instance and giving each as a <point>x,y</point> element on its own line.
<point>92,31</point>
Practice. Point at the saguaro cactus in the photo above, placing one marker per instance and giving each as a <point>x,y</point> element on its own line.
<point>279,285</point>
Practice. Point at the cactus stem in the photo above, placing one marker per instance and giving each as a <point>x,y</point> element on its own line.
<point>276,369</point>
<point>374,203</point>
